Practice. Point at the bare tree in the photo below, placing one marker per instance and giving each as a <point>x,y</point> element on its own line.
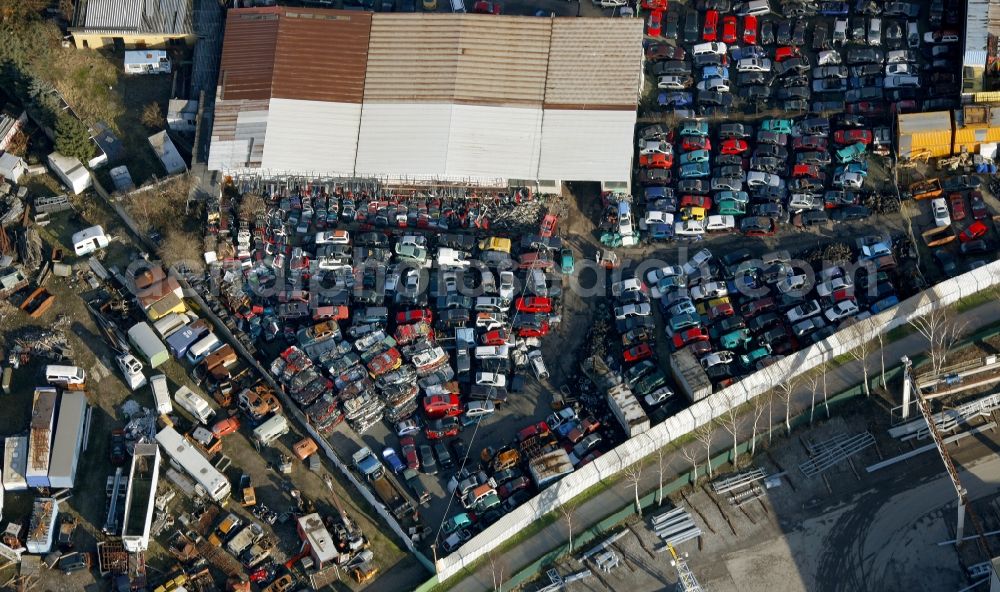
<point>496,570</point>
<point>860,333</point>
<point>759,405</point>
<point>823,370</point>
<point>704,435</point>
<point>661,469</point>
<point>812,380</point>
<point>881,356</point>
<point>690,454</point>
<point>785,390</point>
<point>633,474</point>
<point>568,511</point>
<point>731,421</point>
<point>941,330</point>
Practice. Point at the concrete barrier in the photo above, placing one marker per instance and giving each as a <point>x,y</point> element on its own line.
<point>635,449</point>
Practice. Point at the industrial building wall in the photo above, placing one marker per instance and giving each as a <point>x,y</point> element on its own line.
<point>586,145</point>
<point>312,136</point>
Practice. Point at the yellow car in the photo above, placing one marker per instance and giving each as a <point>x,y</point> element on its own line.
<point>430,5</point>
<point>692,213</point>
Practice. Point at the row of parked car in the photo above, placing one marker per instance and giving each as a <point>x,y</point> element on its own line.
<point>757,62</point>
<point>738,313</point>
<point>763,178</point>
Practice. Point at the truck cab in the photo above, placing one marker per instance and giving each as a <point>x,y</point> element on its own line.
<point>368,464</point>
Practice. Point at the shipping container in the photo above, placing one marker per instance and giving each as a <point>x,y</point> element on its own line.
<point>186,457</point>
<point>927,134</point>
<point>625,406</point>
<point>975,125</point>
<point>69,439</point>
<point>141,336</point>
<point>15,463</point>
<point>182,339</point>
<point>43,412</point>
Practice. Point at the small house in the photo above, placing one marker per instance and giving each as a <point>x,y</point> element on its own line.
<point>182,115</point>
<point>70,171</point>
<point>148,61</point>
<point>167,152</point>
<point>12,167</point>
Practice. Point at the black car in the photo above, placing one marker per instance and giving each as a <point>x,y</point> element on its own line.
<point>865,56</point>
<point>794,92</point>
<point>693,186</point>
<point>811,218</point>
<point>755,92</point>
<point>460,451</point>
<point>813,157</point>
<point>748,78</point>
<point>427,462</point>
<point>795,105</point>
<point>764,321</point>
<point>821,37</point>
<point>443,455</point>
<point>118,453</point>
<point>799,33</point>
<point>720,372</point>
<point>766,164</point>
<point>692,30</point>
<point>947,262</point>
<point>975,247</point>
<point>771,150</point>
<point>848,213</point>
<point>907,9</point>
<point>795,10</point>
<point>719,5</point>
<point>649,177</point>
<point>767,32</point>
<point>671,68</point>
<point>776,335</point>
<point>794,80</point>
<point>734,130</point>
<point>735,160</point>
<point>784,33</point>
<point>371,239</point>
<point>709,59</point>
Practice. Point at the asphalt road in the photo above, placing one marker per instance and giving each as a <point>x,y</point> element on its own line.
<point>610,500</point>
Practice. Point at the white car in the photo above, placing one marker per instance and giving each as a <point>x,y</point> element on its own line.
<point>658,396</point>
<point>407,427</point>
<point>697,260</point>
<point>829,57</point>
<point>674,82</point>
<point>830,286</point>
<point>132,369</point>
<point>507,285</point>
<point>626,285</point>
<point>804,311</point>
<point>333,237</point>
<point>709,290</point>
<point>479,408</point>
<point>753,65</point>
<point>538,364</point>
<point>760,179</point>
<point>898,69</point>
<point>715,358</point>
<point>655,147</point>
<point>841,310</point>
<point>653,276</point>
<point>689,228</point>
<point>902,81</point>
<point>610,3</point>
<point>720,223</point>
<point>941,37</point>
<point>714,84</point>
<point>641,309</point>
<point>849,180</point>
<point>491,379</point>
<point>939,209</point>
<point>706,48</point>
<point>803,201</point>
<point>656,217</point>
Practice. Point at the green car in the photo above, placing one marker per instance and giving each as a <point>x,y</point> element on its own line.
<point>852,153</point>
<point>740,196</point>
<point>650,383</point>
<point>735,339</point>
<point>693,127</point>
<point>731,207</point>
<point>411,252</point>
<point>778,126</point>
<point>694,156</point>
<point>751,358</point>
<point>566,261</point>
<point>684,321</point>
<point>456,522</point>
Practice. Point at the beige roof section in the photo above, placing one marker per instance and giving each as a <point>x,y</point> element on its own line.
<point>594,63</point>
<point>470,59</point>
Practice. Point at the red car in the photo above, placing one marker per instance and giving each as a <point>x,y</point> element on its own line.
<point>750,29</point>
<point>720,310</point>
<point>807,170</point>
<point>445,427</point>
<point>729,29</point>
<point>639,352</point>
<point>225,427</point>
<point>690,143</point>
<point>534,304</point>
<point>656,161</point>
<point>495,337</point>
<point>853,136</point>
<point>865,108</point>
<point>414,316</point>
<point>687,336</point>
<point>486,7</point>
<point>957,207</point>
<point>733,146</point>
<point>786,53</point>
<point>654,26</point>
<point>809,143</point>
<point>696,201</point>
<point>548,227</point>
<point>408,447</point>
<point>711,30</point>
<point>437,406</point>
<point>978,206</point>
<point>975,230</point>
<point>540,331</point>
<point>654,5</point>
<point>536,429</point>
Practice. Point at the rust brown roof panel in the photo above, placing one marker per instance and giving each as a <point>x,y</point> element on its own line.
<point>321,55</point>
<point>247,65</point>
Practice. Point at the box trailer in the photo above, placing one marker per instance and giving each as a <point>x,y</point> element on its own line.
<point>195,404</point>
<point>140,497</point>
<point>170,323</point>
<point>15,463</point>
<point>161,394</point>
<point>69,439</point>
<point>270,430</point>
<point>625,406</point>
<point>89,240</point>
<point>690,376</point>
<point>549,467</point>
<point>181,340</point>
<point>43,411</point>
<point>185,456</point>
<point>144,339</point>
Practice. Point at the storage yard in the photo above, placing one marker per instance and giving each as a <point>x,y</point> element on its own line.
<point>455,262</point>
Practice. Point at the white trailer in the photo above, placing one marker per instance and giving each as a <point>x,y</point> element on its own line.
<point>43,413</point>
<point>15,463</point>
<point>187,458</point>
<point>69,439</point>
<point>270,430</point>
<point>139,500</point>
<point>194,404</point>
<point>147,61</point>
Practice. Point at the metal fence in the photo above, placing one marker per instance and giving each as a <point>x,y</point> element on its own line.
<point>635,449</point>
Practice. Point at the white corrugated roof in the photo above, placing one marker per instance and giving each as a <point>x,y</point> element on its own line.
<point>311,136</point>
<point>143,16</point>
<point>934,121</point>
<point>578,145</point>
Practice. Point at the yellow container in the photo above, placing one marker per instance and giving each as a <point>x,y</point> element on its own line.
<point>975,125</point>
<point>929,133</point>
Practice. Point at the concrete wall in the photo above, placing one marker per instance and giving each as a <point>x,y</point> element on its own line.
<point>700,413</point>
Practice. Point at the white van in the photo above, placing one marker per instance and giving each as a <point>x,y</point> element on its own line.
<point>538,364</point>
<point>65,376</point>
<point>200,350</point>
<point>458,6</point>
<point>89,240</point>
<point>270,430</point>
<point>161,394</point>
<point>194,404</point>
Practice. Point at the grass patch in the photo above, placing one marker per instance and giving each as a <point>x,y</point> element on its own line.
<point>976,300</point>
<point>899,333</point>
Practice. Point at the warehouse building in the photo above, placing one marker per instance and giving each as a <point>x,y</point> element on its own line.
<point>982,22</point>
<point>924,134</point>
<point>143,24</point>
<point>419,98</point>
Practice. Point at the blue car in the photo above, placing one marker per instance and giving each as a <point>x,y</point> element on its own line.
<point>667,100</point>
<point>391,458</point>
<point>860,168</point>
<point>715,72</point>
<point>695,170</point>
<point>885,303</point>
<point>833,8</point>
<point>661,232</point>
